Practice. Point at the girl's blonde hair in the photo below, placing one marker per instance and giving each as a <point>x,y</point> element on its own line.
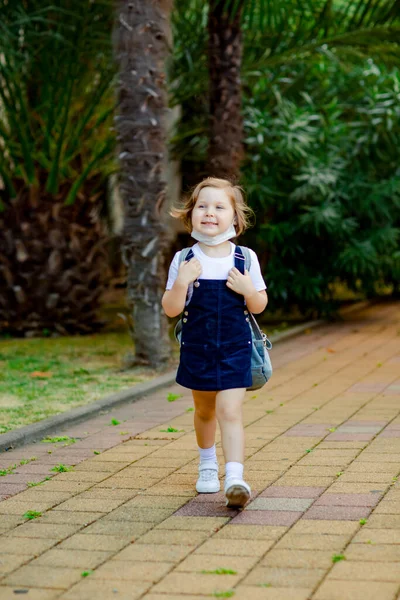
<point>235,194</point>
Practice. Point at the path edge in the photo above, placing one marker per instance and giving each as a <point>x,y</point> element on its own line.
<point>35,431</point>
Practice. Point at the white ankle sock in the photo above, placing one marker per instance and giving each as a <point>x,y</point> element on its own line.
<point>234,469</point>
<point>208,454</point>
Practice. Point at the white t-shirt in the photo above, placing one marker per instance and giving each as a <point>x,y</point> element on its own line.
<point>218,268</point>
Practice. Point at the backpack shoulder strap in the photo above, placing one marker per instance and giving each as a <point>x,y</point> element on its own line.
<point>247,256</point>
<point>183,254</point>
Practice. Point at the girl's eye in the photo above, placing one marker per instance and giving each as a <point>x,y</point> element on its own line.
<point>221,207</point>
<point>200,206</point>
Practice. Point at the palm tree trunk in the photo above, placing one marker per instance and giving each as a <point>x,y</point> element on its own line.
<point>141,48</point>
<point>225,58</point>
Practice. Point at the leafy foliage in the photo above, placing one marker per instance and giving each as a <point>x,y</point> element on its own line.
<point>322,140</point>
<point>56,77</point>
<point>323,177</point>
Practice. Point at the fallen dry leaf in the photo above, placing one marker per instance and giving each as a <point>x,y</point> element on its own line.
<point>41,374</point>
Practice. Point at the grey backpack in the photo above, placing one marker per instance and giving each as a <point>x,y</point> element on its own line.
<point>261,368</point>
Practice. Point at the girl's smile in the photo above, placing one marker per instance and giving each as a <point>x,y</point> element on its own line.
<point>213,212</point>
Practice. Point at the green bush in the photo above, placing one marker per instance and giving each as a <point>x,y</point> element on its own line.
<point>322,172</point>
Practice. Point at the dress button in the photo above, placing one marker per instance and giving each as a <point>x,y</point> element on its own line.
<point>196,284</point>
<point>247,319</point>
<point>184,320</point>
<point>246,312</point>
<point>186,313</point>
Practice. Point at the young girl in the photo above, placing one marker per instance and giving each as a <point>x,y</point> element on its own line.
<point>215,293</point>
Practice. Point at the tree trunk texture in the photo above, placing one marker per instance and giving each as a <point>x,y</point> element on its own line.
<point>225,57</point>
<point>141,40</point>
<point>53,265</point>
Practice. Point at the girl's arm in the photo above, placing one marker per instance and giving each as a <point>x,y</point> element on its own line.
<point>173,300</point>
<point>257,301</point>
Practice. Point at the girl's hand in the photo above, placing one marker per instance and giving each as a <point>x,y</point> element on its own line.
<point>241,284</point>
<point>189,271</point>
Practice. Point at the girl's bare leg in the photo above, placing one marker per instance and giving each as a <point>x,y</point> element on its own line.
<point>205,421</point>
<point>229,415</point>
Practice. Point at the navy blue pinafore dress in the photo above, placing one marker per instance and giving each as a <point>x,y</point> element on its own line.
<point>216,336</point>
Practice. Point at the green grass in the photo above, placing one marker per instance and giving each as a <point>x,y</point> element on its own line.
<point>32,514</point>
<point>220,571</point>
<point>172,397</point>
<point>338,557</point>
<point>42,377</point>
<point>172,430</point>
<point>61,468</point>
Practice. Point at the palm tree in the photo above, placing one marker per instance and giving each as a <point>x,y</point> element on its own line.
<point>274,32</point>
<point>141,42</point>
<point>225,151</point>
<point>56,151</point>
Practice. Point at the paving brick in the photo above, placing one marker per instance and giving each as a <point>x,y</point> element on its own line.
<point>377,536</point>
<point>10,562</point>
<point>208,524</point>
<point>81,505</point>
<point>304,559</point>
<point>137,513</point>
<point>356,590</point>
<point>287,481</point>
<point>81,541</point>
<point>266,517</point>
<point>373,552</point>
<point>229,547</point>
<point>44,577</point>
<point>8,593</point>
<point>18,545</point>
<point>388,508</point>
<point>130,529</point>
<point>379,521</point>
<point>245,592</point>
<point>196,563</point>
<point>376,478</point>
<point>161,536</point>
<point>325,526</point>
<point>186,583</point>
<point>153,553</point>
<point>9,522</point>
<point>347,500</point>
<point>70,518</point>
<point>339,487</point>
<point>285,577</point>
<point>379,571</point>
<point>128,571</point>
<point>250,532</point>
<point>35,529</point>
<point>106,590</point>
<point>78,559</point>
<point>292,492</point>
<point>159,502</point>
<point>99,493</point>
<point>205,509</point>
<point>311,541</point>
<point>13,507</point>
<point>287,504</point>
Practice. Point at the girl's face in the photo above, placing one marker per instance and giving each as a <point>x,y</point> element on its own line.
<point>213,212</point>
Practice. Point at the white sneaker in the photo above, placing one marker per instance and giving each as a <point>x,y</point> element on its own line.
<point>237,492</point>
<point>208,482</point>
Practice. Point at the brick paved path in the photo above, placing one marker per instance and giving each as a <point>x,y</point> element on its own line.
<point>323,456</point>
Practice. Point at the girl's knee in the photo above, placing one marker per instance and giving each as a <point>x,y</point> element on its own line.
<point>205,413</point>
<point>226,413</point>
